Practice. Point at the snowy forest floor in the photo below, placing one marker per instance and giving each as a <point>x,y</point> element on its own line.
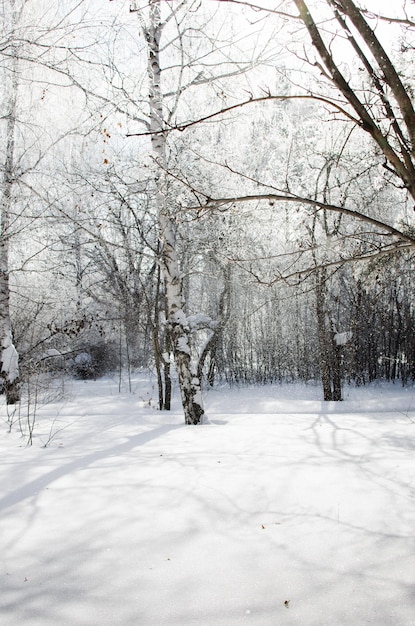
<point>283,510</point>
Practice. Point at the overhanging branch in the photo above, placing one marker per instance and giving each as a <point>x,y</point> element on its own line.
<point>220,203</point>
<point>267,98</point>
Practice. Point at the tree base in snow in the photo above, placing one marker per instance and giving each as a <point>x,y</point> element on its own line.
<point>11,391</point>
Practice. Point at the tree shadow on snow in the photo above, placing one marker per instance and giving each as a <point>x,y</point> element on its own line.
<point>33,487</point>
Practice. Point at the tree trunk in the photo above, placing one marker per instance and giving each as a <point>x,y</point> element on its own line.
<point>322,338</point>
<point>399,111</point>
<point>176,318</point>
<point>161,360</point>
<point>9,357</point>
<point>212,343</point>
<point>336,367</point>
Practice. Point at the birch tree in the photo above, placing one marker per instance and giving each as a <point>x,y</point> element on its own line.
<point>179,329</point>
<point>9,357</point>
<point>198,59</point>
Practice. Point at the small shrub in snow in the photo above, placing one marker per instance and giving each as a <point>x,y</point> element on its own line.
<point>94,361</point>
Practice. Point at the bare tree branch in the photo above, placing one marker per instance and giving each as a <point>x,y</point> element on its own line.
<point>222,203</point>
<point>206,118</point>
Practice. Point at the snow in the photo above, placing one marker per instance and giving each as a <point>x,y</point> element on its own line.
<point>199,320</point>
<point>342,338</point>
<point>183,345</point>
<point>285,510</point>
<point>51,352</point>
<point>83,358</point>
<point>10,361</point>
<point>180,318</point>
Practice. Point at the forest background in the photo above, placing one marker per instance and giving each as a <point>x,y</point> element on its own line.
<point>226,188</point>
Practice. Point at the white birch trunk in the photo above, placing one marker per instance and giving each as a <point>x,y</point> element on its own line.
<point>9,371</point>
<point>176,318</point>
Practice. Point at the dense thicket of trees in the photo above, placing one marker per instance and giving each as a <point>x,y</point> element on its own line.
<point>210,188</point>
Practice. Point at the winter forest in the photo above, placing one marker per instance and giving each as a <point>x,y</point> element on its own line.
<point>207,356</point>
<point>214,188</point>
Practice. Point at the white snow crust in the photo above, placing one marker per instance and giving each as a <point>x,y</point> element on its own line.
<point>342,338</point>
<point>183,345</point>
<point>10,362</point>
<point>199,321</point>
<point>285,510</point>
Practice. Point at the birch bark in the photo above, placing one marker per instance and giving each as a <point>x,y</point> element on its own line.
<point>176,318</point>
<point>9,371</point>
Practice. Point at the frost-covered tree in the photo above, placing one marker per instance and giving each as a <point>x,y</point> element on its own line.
<point>37,120</point>
<point>176,318</point>
<point>381,103</point>
<point>188,66</point>
<point>365,93</point>
<point>9,366</point>
<point>210,207</point>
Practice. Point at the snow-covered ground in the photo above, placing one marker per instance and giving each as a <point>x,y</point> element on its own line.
<point>283,510</point>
